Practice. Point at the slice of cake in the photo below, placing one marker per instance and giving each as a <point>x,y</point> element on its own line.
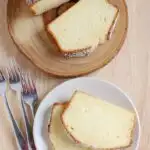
<point>83,26</point>
<point>41,6</point>
<point>57,133</point>
<point>95,123</point>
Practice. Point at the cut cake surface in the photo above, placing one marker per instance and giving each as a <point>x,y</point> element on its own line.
<point>95,123</point>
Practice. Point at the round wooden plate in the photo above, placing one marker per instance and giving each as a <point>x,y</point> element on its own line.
<point>28,33</point>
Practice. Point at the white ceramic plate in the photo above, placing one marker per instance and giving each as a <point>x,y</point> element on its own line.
<point>63,92</point>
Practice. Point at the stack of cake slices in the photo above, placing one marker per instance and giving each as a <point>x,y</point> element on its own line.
<point>80,26</point>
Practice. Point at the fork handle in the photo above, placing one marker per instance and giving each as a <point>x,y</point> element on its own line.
<point>21,142</point>
<point>32,108</point>
<point>28,127</point>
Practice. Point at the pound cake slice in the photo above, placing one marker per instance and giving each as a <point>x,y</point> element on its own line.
<point>85,24</point>
<point>41,6</point>
<point>95,123</point>
<point>57,133</point>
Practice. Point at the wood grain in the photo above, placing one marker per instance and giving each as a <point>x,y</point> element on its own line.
<point>130,70</point>
<point>28,33</point>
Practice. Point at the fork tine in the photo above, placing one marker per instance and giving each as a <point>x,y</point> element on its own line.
<point>30,83</point>
<point>29,88</point>
<point>29,91</point>
<point>33,83</point>
<point>14,69</point>
<point>8,73</point>
<point>23,82</point>
<point>26,84</point>
<point>1,76</point>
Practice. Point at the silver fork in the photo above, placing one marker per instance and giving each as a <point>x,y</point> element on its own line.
<point>15,84</point>
<point>21,142</point>
<point>29,92</point>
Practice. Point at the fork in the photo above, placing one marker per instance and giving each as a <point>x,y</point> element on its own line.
<point>29,93</point>
<point>21,142</point>
<point>15,84</point>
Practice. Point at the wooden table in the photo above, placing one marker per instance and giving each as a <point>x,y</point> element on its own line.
<point>130,70</point>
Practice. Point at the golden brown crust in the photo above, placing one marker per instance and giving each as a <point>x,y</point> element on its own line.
<point>132,131</point>
<point>49,16</point>
<point>52,109</point>
<point>62,120</point>
<point>32,8</point>
<point>64,7</point>
<point>79,142</point>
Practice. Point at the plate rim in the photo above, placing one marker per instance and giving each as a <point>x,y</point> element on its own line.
<point>100,80</point>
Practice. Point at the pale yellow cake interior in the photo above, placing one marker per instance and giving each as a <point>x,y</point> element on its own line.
<point>94,122</point>
<point>86,23</point>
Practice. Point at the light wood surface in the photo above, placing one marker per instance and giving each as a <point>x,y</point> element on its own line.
<point>28,32</point>
<point>130,70</point>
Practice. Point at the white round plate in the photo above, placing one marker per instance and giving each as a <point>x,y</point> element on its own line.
<point>64,91</point>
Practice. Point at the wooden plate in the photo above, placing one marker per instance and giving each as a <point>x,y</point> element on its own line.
<point>28,33</point>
